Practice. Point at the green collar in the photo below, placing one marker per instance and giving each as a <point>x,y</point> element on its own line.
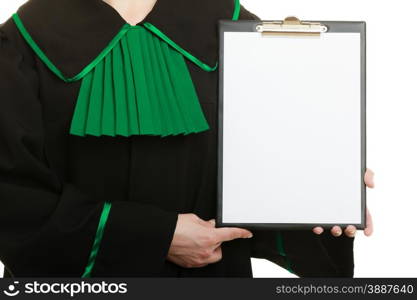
<point>80,33</point>
<point>138,83</point>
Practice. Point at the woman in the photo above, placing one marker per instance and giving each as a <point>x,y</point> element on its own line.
<point>108,147</point>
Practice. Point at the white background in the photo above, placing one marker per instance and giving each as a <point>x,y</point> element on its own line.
<point>392,124</point>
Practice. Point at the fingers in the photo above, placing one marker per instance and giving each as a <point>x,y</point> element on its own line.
<point>207,256</point>
<point>369,181</point>
<point>204,258</point>
<point>318,230</point>
<point>350,231</point>
<point>369,229</point>
<point>215,256</point>
<point>336,231</point>
<point>225,234</point>
<point>369,178</point>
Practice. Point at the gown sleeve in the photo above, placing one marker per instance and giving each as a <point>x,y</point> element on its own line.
<point>48,227</point>
<point>304,253</point>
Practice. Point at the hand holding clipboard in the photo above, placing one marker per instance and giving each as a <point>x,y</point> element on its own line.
<point>292,114</point>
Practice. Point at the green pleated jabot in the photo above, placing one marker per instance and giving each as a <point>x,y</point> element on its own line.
<point>141,87</point>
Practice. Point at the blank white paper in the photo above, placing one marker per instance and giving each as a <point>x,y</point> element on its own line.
<point>292,129</point>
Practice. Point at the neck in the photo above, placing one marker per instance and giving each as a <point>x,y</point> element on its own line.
<point>133,11</point>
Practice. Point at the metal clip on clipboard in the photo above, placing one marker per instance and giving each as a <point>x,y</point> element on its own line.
<point>291,26</point>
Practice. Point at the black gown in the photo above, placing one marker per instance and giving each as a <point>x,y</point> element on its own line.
<point>53,184</point>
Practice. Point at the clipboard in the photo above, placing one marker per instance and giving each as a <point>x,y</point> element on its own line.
<point>291,124</point>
